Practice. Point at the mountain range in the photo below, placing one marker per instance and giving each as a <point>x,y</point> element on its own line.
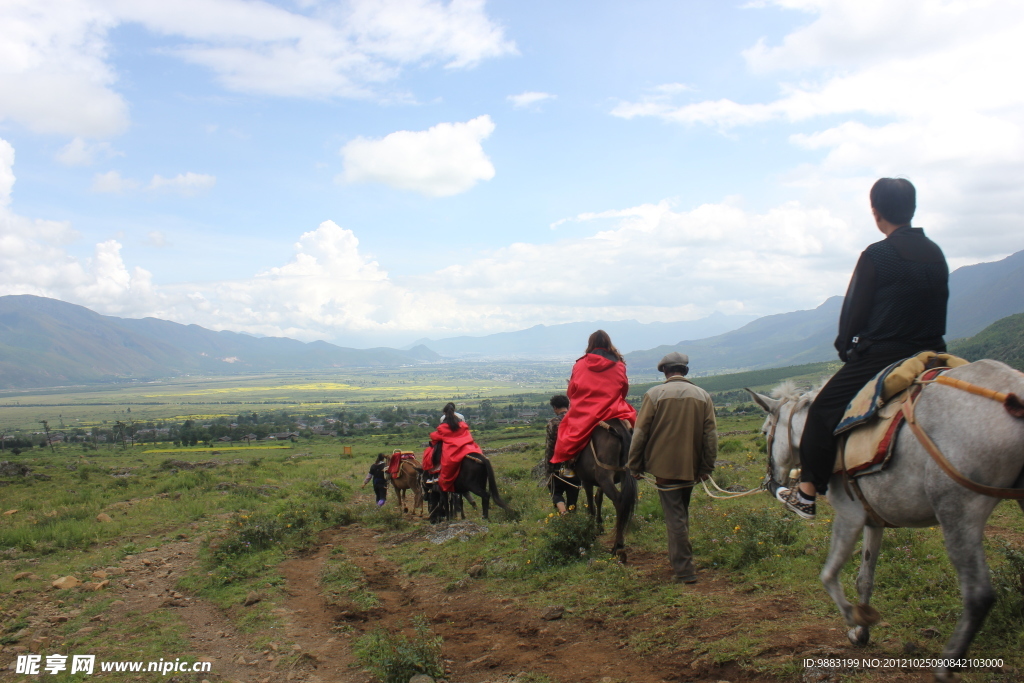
<point>568,339</point>
<point>45,342</point>
<point>978,296</point>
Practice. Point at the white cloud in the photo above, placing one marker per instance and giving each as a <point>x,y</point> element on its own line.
<point>184,183</point>
<point>34,260</point>
<point>339,50</point>
<point>6,172</point>
<point>78,152</point>
<point>112,182</point>
<point>656,263</point>
<point>54,74</point>
<point>527,99</point>
<point>442,161</point>
<point>904,88</point>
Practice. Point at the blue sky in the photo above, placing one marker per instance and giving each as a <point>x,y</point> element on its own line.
<point>374,172</point>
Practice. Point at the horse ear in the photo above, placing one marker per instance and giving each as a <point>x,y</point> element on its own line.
<point>769,404</point>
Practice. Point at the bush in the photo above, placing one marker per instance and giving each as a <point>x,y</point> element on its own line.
<point>567,538</point>
<point>753,536</point>
<point>393,658</point>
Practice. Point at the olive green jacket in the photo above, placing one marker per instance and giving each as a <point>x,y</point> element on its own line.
<point>675,435</point>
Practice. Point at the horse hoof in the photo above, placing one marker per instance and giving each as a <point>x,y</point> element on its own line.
<point>859,636</point>
<point>865,615</point>
<point>620,555</point>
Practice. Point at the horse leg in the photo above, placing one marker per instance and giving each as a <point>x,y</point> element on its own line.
<point>598,499</point>
<point>963,537</point>
<point>589,490</point>
<point>864,614</point>
<point>845,530</point>
<point>607,487</point>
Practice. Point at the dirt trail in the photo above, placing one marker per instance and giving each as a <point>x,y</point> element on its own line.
<point>492,640</point>
<point>485,639</point>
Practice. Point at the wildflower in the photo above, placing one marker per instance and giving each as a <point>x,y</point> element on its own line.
<point>736,529</point>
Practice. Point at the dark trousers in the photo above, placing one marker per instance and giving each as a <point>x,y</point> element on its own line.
<point>380,489</point>
<point>567,492</point>
<point>676,506</point>
<point>818,445</point>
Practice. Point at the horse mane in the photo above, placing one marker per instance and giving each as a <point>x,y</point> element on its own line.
<point>789,391</point>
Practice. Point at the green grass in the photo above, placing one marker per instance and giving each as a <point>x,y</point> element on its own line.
<point>254,514</point>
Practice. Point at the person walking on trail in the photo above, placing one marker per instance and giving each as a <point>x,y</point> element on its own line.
<point>457,442</point>
<point>380,484</point>
<point>597,393</point>
<point>676,440</point>
<point>895,307</point>
<point>565,491</point>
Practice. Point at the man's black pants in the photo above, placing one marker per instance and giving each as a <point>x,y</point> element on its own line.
<point>818,444</point>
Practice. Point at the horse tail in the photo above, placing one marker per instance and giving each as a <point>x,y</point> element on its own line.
<point>492,484</point>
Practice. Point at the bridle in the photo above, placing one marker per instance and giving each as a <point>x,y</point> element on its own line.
<point>773,420</point>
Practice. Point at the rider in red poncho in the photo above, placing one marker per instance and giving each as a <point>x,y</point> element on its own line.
<point>457,443</point>
<point>597,392</point>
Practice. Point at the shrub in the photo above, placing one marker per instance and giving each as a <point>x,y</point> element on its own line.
<point>567,538</point>
<point>393,658</point>
<point>752,536</point>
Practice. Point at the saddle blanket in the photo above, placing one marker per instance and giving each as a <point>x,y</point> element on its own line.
<point>868,447</point>
<point>396,461</point>
<point>890,382</point>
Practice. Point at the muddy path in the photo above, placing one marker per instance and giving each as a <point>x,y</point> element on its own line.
<point>488,639</point>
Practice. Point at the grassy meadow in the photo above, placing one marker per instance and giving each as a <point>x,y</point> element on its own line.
<point>251,507</point>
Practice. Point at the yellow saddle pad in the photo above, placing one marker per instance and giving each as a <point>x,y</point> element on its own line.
<point>890,382</point>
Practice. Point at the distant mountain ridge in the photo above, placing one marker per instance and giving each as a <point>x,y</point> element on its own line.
<point>46,342</point>
<point>979,295</point>
<point>568,340</point>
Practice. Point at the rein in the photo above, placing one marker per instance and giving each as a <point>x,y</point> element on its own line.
<point>1013,406</point>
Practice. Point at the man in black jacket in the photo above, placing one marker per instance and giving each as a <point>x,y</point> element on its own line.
<point>895,307</point>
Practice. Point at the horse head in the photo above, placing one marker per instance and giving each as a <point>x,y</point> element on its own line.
<point>787,414</point>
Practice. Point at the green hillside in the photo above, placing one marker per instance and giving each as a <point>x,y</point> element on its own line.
<point>1003,340</point>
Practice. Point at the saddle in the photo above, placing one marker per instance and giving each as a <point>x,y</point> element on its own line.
<point>874,416</point>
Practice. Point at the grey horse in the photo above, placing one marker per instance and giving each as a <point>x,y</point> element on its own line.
<point>981,440</point>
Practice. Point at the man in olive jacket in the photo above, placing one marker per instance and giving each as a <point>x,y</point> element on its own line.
<point>676,440</point>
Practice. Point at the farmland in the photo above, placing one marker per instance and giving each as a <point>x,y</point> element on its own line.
<point>205,398</point>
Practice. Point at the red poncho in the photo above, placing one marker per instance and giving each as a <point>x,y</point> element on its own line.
<point>597,391</point>
<point>457,445</point>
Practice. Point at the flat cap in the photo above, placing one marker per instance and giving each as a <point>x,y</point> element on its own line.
<point>674,358</point>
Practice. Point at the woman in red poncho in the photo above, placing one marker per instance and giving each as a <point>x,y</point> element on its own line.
<point>457,442</point>
<point>597,392</point>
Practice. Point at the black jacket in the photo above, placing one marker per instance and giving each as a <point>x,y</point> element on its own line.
<point>896,301</point>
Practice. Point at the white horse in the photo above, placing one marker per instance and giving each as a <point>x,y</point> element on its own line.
<point>980,438</point>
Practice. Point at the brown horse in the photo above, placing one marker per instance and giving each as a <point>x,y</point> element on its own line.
<point>408,478</point>
<point>602,464</point>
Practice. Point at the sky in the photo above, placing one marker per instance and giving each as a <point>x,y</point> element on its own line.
<point>370,172</point>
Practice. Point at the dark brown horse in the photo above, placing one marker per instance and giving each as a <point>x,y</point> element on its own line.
<point>475,476</point>
<point>602,465</point>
